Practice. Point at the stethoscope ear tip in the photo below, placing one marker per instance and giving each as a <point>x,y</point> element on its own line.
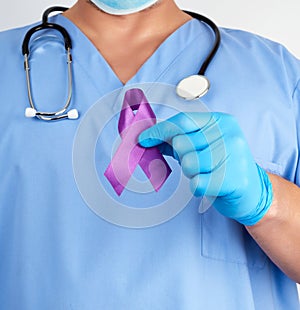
<point>73,114</point>
<point>30,112</point>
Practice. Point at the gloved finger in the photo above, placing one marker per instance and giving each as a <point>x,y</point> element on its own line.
<point>196,141</point>
<point>204,161</point>
<point>210,184</point>
<point>180,123</point>
<point>182,144</point>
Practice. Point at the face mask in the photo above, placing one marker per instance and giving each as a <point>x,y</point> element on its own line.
<point>123,7</point>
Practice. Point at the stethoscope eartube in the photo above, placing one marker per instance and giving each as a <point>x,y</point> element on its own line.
<point>196,86</point>
<point>32,111</point>
<point>190,88</point>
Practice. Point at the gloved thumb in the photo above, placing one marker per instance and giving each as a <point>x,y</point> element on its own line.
<point>159,133</point>
<point>162,132</point>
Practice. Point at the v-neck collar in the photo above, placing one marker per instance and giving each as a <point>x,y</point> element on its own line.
<point>155,67</point>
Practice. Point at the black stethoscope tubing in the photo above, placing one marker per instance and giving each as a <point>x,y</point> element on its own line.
<point>46,25</point>
<point>68,42</point>
<point>73,114</point>
<point>217,40</point>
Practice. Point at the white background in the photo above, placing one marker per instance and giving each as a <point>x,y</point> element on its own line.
<point>275,19</point>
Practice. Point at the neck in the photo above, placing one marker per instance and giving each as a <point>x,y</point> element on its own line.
<point>164,17</point>
<point>141,33</point>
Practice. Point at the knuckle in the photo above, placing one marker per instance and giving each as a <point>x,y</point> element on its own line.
<point>183,120</point>
<point>236,143</point>
<point>225,121</point>
<point>177,143</point>
<point>190,164</point>
<point>186,121</point>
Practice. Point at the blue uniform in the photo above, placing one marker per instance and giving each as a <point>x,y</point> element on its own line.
<point>58,253</point>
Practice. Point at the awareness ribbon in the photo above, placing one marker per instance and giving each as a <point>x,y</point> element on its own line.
<point>129,153</point>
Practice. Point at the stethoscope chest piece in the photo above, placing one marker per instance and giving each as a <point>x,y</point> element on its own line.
<point>193,87</point>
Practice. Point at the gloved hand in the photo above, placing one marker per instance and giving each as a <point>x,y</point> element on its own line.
<point>214,155</point>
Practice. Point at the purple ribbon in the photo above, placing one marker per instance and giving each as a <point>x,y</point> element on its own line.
<point>129,153</point>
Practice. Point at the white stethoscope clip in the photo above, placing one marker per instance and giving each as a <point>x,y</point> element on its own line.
<point>30,112</point>
<point>73,114</point>
<point>193,87</point>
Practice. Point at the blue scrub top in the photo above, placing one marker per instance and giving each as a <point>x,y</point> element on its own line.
<point>58,253</point>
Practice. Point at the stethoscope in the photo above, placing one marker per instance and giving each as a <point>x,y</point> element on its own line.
<point>190,88</point>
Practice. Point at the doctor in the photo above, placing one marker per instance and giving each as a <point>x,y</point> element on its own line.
<point>243,253</point>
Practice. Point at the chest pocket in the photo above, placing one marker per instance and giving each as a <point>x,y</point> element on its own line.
<point>228,241</point>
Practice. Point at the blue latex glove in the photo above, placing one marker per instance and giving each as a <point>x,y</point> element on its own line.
<point>215,156</point>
